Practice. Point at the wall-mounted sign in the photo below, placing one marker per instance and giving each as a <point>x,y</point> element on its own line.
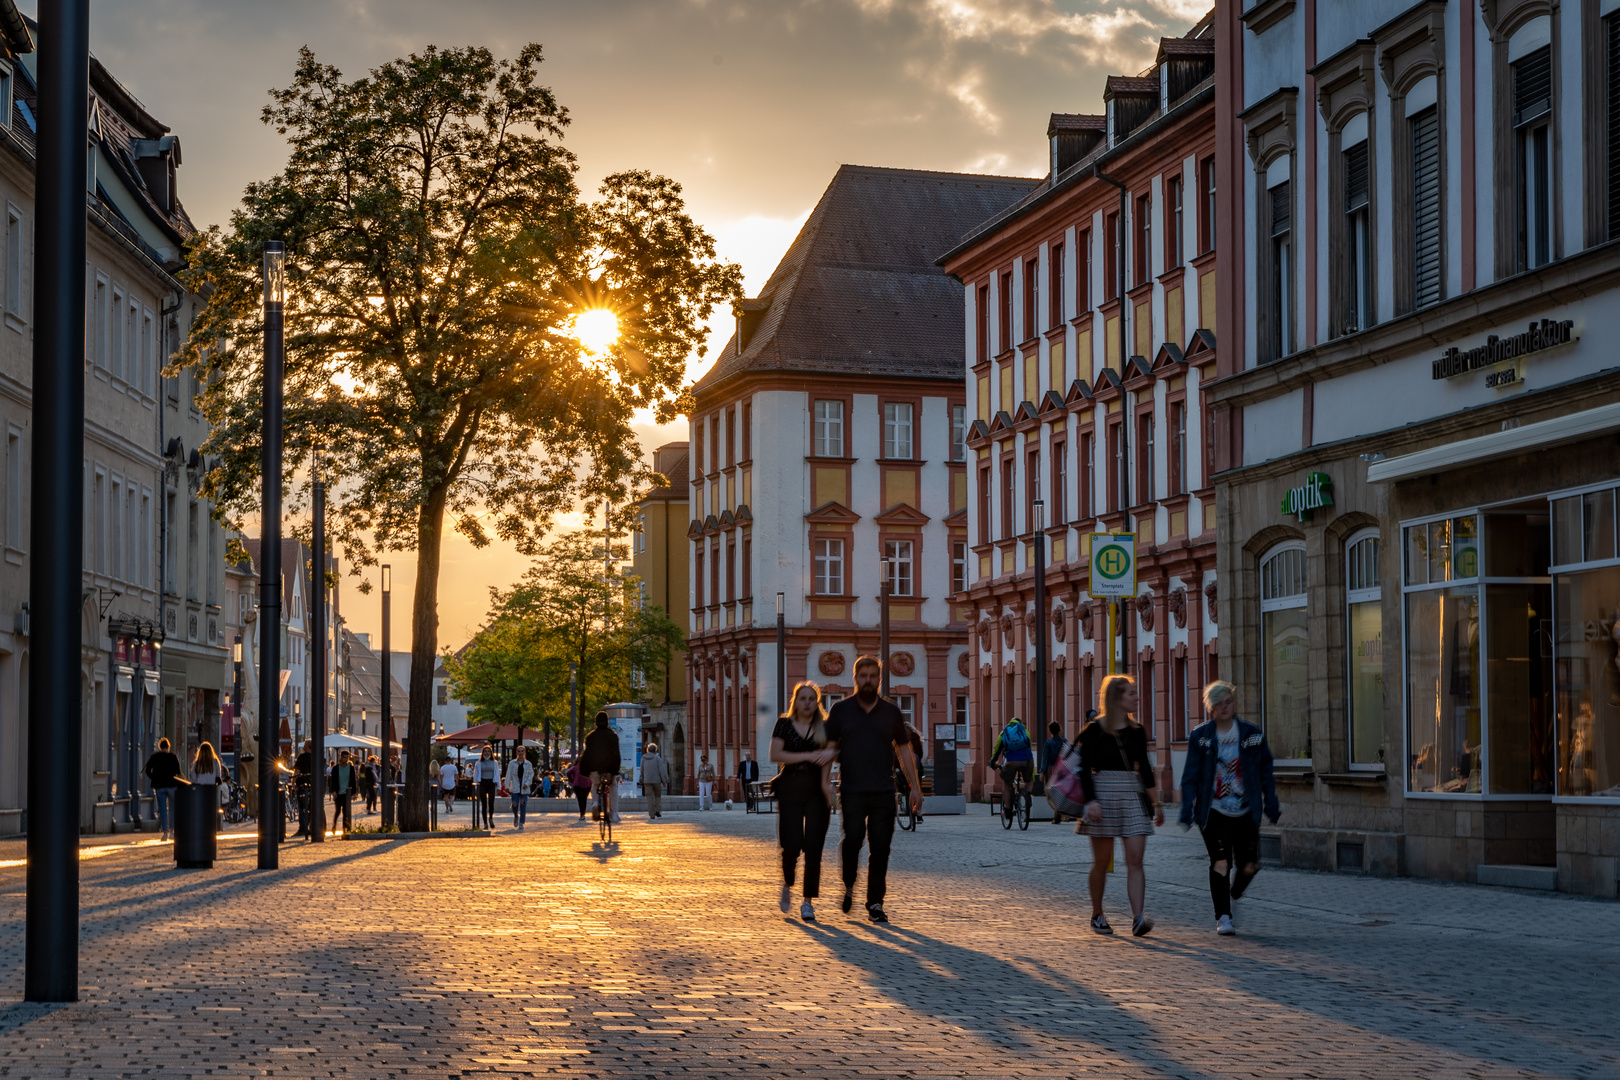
<point>1113,565</point>
<point>1539,335</point>
<point>1315,493</point>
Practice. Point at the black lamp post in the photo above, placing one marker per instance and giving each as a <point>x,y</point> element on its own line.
<point>238,736</point>
<point>275,299</point>
<point>317,718</point>
<point>781,655</point>
<point>387,707</point>
<point>1038,538</point>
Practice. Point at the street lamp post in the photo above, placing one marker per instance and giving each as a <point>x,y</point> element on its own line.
<point>883,628</point>
<point>1038,538</point>
<point>237,737</point>
<point>55,719</point>
<point>573,705</point>
<point>317,719</point>
<point>781,655</point>
<point>387,708</point>
<point>275,299</point>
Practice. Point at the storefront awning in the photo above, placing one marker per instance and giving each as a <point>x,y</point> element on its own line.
<point>1498,444</point>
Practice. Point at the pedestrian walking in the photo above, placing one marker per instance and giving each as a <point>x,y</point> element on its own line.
<point>486,775</point>
<point>519,775</point>
<point>370,778</point>
<point>449,776</point>
<point>581,785</point>
<point>654,776</point>
<point>869,733</point>
<point>1226,783</point>
<point>163,773</point>
<point>1051,751</point>
<point>206,767</point>
<point>303,766</point>
<point>600,761</point>
<point>748,775</point>
<point>705,779</point>
<point>1118,782</point>
<point>344,780</point>
<point>803,790</point>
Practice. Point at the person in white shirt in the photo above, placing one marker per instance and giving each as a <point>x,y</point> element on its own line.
<point>519,775</point>
<point>486,774</point>
<point>448,775</point>
<point>205,768</point>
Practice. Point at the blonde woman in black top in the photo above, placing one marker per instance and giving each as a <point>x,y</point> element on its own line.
<point>803,793</point>
<point>1118,784</point>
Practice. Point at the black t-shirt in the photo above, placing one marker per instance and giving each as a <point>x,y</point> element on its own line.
<point>162,768</point>
<point>794,743</point>
<point>866,742</point>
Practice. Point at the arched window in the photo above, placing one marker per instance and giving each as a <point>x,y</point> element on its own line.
<point>1365,634</point>
<point>1285,700</point>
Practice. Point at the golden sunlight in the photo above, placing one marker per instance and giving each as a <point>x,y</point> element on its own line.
<point>596,329</point>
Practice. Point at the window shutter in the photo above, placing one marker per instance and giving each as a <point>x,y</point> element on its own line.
<point>1355,177</point>
<point>1281,207</point>
<point>1532,86</point>
<point>1426,206</point>
<point>1611,27</point>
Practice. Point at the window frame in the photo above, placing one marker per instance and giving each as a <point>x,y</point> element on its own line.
<point>1364,594</point>
<point>817,422</point>
<point>900,566</point>
<point>825,562</point>
<point>1175,227</point>
<point>1293,601</point>
<point>891,443</point>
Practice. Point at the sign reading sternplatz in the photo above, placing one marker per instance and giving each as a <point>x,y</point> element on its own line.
<point>1113,565</point>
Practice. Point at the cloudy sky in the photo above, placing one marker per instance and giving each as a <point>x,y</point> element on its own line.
<point>750,104</point>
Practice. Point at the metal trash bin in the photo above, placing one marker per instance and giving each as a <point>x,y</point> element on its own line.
<point>196,817</point>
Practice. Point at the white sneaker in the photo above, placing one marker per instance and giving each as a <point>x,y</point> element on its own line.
<point>785,901</point>
<point>807,911</point>
<point>1224,927</point>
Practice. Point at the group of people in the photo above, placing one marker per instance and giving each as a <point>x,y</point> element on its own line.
<point>165,773</point>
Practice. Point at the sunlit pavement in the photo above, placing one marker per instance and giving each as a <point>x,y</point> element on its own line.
<point>547,953</point>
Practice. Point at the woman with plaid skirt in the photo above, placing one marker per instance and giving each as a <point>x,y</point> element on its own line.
<point>1118,782</point>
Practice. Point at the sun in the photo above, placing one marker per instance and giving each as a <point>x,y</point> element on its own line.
<point>596,329</point>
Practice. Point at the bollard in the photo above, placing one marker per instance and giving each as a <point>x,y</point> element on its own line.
<point>196,814</point>
<point>433,808</point>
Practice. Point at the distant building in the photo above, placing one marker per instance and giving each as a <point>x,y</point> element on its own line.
<point>827,450</point>
<point>361,682</point>
<point>660,561</point>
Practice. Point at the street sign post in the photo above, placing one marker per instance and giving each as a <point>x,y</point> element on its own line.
<point>1113,575</point>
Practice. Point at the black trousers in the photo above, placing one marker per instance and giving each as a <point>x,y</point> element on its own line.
<point>802,817</point>
<point>583,794</point>
<point>342,811</point>
<point>1236,842</point>
<point>486,802</point>
<point>868,819</point>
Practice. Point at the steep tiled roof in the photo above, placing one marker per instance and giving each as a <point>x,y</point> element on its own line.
<point>1076,122</point>
<point>858,292</point>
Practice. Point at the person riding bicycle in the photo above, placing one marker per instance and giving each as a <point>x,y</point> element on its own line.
<point>914,737</point>
<point>1016,752</point>
<point>600,759</point>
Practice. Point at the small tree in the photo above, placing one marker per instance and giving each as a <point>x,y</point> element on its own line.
<point>439,257</point>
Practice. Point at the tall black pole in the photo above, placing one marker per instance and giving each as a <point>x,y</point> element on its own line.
<point>883,632</point>
<point>317,690</point>
<point>56,576</point>
<point>781,656</point>
<point>573,705</point>
<point>275,299</point>
<point>1039,539</point>
<point>387,697</point>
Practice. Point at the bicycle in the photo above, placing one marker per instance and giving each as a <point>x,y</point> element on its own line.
<point>604,819</point>
<point>1019,806</point>
<point>233,802</point>
<point>909,818</point>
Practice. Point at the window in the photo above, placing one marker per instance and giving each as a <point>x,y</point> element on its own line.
<point>697,576</point>
<point>1586,586</point>
<point>5,96</point>
<point>959,581</point>
<point>897,566</point>
<point>192,551</point>
<point>1178,448</point>
<point>1175,236</point>
<point>1143,260</point>
<point>1032,485</point>
<point>1005,341</point>
<point>148,353</point>
<point>1444,708</point>
<point>14,489</point>
<point>115,529</point>
<point>1357,237</point>
<point>98,343</point>
<point>1426,220</point>
<point>731,568</point>
<point>115,340</point>
<point>1060,485</point>
<point>1208,416</point>
<point>746,435</point>
<point>441,694</point>
<point>1532,145</point>
<point>1285,643</point>
<point>714,575</point>
<point>896,430</point>
<point>984,505</point>
<point>697,456</point>
<point>958,432</point>
<point>132,537</point>
<point>1009,492</point>
<point>1082,283</point>
<point>211,579</point>
<point>745,568</point>
<point>959,716</point>
<point>1116,463</point>
<point>981,316</point>
<point>1281,296</point>
<point>170,523</point>
<point>1088,475</point>
<point>731,436</point>
<point>1206,220</point>
<point>829,429</point>
<point>1111,255</point>
<point>14,260</point>
<point>1056,297</point>
<point>907,704</point>
<point>1144,458</point>
<point>1178,699</point>
<point>1031,296</point>
<point>146,538</point>
<point>98,527</point>
<point>1611,41</point>
<point>829,567</point>
<point>1365,622</point>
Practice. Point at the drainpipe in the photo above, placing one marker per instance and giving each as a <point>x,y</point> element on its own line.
<point>1126,410</point>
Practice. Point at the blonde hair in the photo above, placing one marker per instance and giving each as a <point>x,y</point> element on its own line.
<point>1217,692</point>
<point>206,760</point>
<point>818,722</point>
<point>1113,688</point>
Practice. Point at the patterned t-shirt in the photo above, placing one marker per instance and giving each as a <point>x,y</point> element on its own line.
<point>1230,797</point>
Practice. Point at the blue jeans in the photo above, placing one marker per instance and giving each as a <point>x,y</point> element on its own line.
<point>520,808</point>
<point>164,797</point>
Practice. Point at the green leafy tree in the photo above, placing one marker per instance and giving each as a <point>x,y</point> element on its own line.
<point>439,256</point>
<point>572,607</point>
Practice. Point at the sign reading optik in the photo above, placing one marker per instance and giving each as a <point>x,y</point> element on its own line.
<point>1315,493</point>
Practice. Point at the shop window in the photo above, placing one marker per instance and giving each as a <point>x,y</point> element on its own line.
<point>898,563</point>
<point>1530,57</point>
<point>1444,709</point>
<point>1286,643</point>
<point>1586,584</point>
<point>1365,621</point>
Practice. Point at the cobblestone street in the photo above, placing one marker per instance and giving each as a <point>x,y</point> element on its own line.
<point>545,953</point>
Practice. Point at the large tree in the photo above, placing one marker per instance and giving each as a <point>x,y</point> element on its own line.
<point>439,256</point>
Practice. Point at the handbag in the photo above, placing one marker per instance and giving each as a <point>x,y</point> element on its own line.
<point>1064,792</point>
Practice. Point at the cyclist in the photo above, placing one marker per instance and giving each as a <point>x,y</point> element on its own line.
<point>914,737</point>
<point>600,759</point>
<point>1016,754</point>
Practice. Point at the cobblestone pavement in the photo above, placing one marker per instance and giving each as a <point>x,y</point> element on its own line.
<point>546,953</point>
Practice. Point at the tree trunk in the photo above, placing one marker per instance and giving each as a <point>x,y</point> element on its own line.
<point>413,815</point>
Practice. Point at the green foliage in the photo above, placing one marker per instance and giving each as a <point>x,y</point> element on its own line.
<point>569,607</point>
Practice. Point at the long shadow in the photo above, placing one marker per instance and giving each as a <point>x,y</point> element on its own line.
<point>602,852</point>
<point>908,964</point>
<point>20,1013</point>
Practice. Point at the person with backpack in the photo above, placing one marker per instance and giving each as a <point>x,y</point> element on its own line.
<point>1226,783</point>
<point>1016,753</point>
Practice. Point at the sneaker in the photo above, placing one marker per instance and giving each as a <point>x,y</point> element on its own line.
<point>1235,908</point>
<point>848,901</point>
<point>875,913</point>
<point>785,901</point>
<point>1224,927</point>
<point>807,911</point>
<point>1141,925</point>
<point>1099,924</point>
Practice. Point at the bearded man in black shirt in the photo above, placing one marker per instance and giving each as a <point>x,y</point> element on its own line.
<point>869,734</point>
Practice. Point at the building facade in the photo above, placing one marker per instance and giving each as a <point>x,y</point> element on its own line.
<point>658,555</point>
<point>1419,580</point>
<point>1090,344</point>
<point>827,452</point>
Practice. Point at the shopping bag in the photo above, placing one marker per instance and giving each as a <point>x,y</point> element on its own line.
<point>1063,789</point>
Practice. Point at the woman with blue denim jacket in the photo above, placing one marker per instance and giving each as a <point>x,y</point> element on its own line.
<point>1225,783</point>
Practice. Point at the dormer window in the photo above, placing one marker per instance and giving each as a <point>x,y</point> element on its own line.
<point>5,95</point>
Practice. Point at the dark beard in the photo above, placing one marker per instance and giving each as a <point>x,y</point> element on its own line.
<point>866,695</point>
